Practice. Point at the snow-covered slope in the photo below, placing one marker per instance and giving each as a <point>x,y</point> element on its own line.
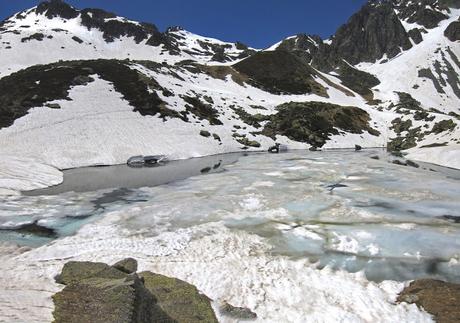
<point>114,88</point>
<point>55,31</point>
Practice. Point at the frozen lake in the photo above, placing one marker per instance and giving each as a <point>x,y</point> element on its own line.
<point>334,210</point>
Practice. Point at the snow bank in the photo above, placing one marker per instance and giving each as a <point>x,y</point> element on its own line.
<point>22,174</point>
<point>448,156</point>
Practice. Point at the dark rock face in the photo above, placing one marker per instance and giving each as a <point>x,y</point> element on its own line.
<point>369,34</point>
<point>113,29</point>
<point>359,81</point>
<point>424,12</point>
<point>97,292</point>
<point>314,122</point>
<point>438,298</point>
<point>452,31</point>
<point>416,35</point>
<point>280,72</point>
<point>56,8</point>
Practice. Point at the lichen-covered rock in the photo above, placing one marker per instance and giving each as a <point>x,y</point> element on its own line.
<point>315,122</point>
<point>128,265</point>
<point>438,298</point>
<point>180,300</point>
<point>77,271</point>
<point>97,292</point>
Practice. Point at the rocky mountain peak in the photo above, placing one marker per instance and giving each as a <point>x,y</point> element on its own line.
<point>56,8</point>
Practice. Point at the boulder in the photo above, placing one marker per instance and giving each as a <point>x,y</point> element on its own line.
<point>128,265</point>
<point>97,292</point>
<point>438,298</point>
<point>239,313</point>
<point>77,271</point>
<point>452,31</point>
<point>182,301</point>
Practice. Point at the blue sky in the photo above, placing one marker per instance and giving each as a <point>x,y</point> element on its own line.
<point>257,23</point>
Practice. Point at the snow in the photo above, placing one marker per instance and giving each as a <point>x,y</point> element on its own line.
<point>21,174</point>
<point>251,242</point>
<point>448,156</point>
<point>401,73</point>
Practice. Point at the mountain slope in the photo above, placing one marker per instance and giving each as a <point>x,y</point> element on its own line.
<point>111,88</point>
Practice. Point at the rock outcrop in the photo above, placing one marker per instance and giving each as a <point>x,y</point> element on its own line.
<point>452,31</point>
<point>438,298</point>
<point>96,292</point>
<point>314,122</point>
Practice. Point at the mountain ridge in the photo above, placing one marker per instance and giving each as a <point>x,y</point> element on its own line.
<point>190,95</point>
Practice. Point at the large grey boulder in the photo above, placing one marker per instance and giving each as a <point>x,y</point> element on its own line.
<point>96,292</point>
<point>182,301</point>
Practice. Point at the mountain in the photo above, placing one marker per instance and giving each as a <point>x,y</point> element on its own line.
<point>88,87</point>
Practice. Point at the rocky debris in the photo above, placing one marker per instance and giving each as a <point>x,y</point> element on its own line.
<point>280,72</point>
<point>358,148</point>
<point>405,163</point>
<point>444,125</point>
<point>128,265</point>
<point>201,110</point>
<point>452,31</point>
<point>36,36</point>
<point>315,122</point>
<point>438,298</point>
<point>248,143</point>
<point>375,157</point>
<point>239,313</point>
<point>97,292</point>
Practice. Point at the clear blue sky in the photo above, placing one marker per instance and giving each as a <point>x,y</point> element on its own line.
<point>258,23</point>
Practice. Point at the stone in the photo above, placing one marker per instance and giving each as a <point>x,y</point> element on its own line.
<point>239,313</point>
<point>452,31</point>
<point>439,298</point>
<point>128,265</point>
<point>358,148</point>
<point>205,133</point>
<point>53,106</point>
<point>180,300</point>
<point>76,271</point>
<point>412,164</point>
